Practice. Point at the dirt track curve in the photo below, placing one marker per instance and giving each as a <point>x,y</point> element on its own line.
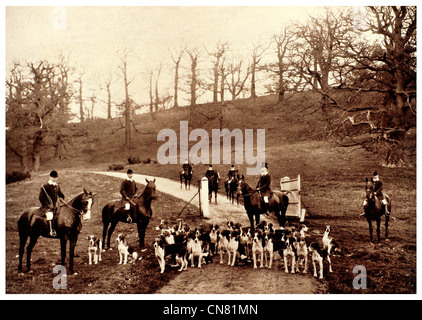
<point>222,279</point>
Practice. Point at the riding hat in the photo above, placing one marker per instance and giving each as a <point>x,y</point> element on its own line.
<point>376,176</point>
<point>129,171</point>
<point>54,174</point>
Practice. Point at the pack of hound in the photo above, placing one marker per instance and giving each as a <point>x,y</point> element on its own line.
<point>233,244</point>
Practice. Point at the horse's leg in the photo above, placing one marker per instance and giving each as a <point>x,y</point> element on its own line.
<point>370,229</point>
<point>215,193</point>
<point>23,237</point>
<point>257,218</point>
<point>105,228</point>
<point>387,219</point>
<point>250,216</point>
<point>72,255</point>
<point>142,226</point>
<point>72,246</point>
<point>278,216</point>
<point>32,242</point>
<point>379,229</point>
<point>63,242</point>
<point>110,232</point>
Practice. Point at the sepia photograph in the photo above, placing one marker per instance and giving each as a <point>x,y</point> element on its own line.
<point>175,150</point>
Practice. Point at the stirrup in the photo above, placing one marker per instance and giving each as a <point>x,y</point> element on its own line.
<point>52,233</point>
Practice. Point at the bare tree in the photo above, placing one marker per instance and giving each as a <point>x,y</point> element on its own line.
<point>236,78</point>
<point>108,82</point>
<point>283,42</point>
<point>385,68</point>
<point>258,50</point>
<point>220,49</point>
<point>127,113</point>
<point>176,59</point>
<point>34,105</point>
<point>157,78</point>
<point>194,55</point>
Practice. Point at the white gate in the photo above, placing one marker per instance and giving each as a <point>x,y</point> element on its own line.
<point>203,198</point>
<point>291,187</point>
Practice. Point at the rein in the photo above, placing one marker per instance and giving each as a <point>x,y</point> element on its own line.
<point>80,212</point>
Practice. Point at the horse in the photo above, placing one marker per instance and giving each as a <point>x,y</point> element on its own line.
<point>278,203</point>
<point>67,222</point>
<point>140,212</point>
<point>231,189</point>
<point>374,210</point>
<point>213,186</point>
<point>186,175</point>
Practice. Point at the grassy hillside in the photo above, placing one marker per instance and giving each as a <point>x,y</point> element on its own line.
<point>332,178</point>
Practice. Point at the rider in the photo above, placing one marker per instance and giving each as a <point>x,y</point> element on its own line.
<point>210,172</point>
<point>128,190</point>
<point>264,187</point>
<point>50,195</point>
<point>232,172</point>
<point>187,167</point>
<point>378,192</point>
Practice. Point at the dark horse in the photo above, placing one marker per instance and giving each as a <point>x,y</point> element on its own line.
<point>213,186</point>
<point>231,189</point>
<point>374,210</point>
<point>186,175</point>
<point>140,212</point>
<point>67,222</point>
<point>278,203</point>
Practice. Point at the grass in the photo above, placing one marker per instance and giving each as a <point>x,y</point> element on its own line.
<point>332,191</point>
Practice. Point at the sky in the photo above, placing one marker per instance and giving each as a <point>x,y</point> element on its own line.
<point>93,37</point>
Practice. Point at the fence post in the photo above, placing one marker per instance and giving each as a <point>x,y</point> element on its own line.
<point>203,198</point>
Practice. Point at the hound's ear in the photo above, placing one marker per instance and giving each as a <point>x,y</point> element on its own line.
<point>366,179</point>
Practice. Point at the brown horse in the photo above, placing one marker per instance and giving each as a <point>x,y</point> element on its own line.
<point>213,182</point>
<point>140,212</point>
<point>278,203</point>
<point>67,222</point>
<point>374,210</point>
<point>186,175</point>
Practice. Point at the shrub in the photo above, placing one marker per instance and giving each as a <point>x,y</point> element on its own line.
<point>133,160</point>
<point>115,167</point>
<point>17,176</point>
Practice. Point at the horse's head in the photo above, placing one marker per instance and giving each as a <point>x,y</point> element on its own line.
<point>87,200</point>
<point>150,189</point>
<point>241,184</point>
<point>369,188</point>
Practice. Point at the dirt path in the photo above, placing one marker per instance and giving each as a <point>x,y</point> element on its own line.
<point>222,279</point>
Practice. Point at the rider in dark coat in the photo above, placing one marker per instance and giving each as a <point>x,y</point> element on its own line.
<point>378,191</point>
<point>378,185</point>
<point>49,196</point>
<point>264,187</point>
<point>210,172</point>
<point>232,172</point>
<point>128,190</point>
<point>187,167</point>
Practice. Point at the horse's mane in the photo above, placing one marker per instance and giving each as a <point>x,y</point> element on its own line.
<point>145,195</point>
